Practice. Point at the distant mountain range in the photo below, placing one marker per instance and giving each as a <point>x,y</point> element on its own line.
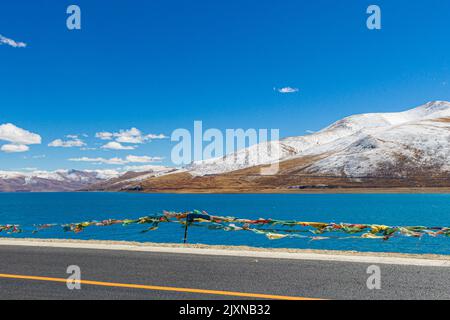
<point>378,150</point>
<point>41,181</point>
<point>71,180</point>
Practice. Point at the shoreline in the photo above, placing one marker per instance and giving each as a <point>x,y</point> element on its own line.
<point>296,191</point>
<point>339,190</point>
<point>238,251</point>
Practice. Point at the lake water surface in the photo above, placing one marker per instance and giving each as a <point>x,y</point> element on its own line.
<point>397,210</point>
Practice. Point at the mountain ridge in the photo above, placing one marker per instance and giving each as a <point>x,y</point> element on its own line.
<point>408,149</point>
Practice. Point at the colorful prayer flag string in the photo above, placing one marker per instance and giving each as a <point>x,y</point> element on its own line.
<point>272,229</point>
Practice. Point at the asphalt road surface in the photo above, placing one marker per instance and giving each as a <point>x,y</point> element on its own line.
<point>41,273</point>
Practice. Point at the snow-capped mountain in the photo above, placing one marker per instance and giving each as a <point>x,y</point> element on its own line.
<point>376,150</point>
<point>409,149</point>
<point>75,180</point>
<point>59,180</point>
<point>131,180</point>
<point>359,145</point>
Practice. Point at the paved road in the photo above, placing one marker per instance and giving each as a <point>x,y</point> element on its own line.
<point>296,278</point>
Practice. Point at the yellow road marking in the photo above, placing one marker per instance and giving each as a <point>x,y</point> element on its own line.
<point>157,288</point>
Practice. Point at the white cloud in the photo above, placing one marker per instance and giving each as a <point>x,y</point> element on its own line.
<point>155,136</point>
<point>11,42</point>
<point>132,135</point>
<point>142,159</point>
<point>16,135</point>
<point>145,168</point>
<point>14,148</point>
<point>287,90</point>
<point>113,145</point>
<point>58,143</point>
<point>18,138</point>
<point>104,135</point>
<point>119,161</point>
<point>99,160</point>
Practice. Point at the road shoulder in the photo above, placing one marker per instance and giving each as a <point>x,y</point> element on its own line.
<point>238,251</point>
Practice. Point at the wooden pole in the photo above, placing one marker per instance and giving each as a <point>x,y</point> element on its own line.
<point>186,229</point>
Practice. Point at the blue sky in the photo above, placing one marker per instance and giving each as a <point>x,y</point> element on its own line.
<point>159,65</point>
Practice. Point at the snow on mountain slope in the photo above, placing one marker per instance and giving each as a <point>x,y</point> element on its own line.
<point>359,145</point>
<point>350,129</point>
<point>60,175</point>
<point>399,150</point>
<point>131,179</point>
<point>151,172</point>
<point>263,153</point>
<point>59,180</point>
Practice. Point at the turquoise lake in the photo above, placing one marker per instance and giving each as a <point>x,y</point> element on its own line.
<point>396,210</point>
